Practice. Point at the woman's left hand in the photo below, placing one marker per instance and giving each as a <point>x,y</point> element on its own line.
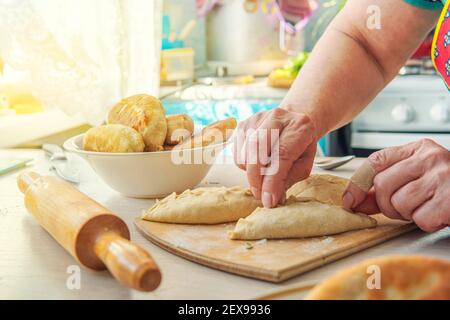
<point>412,183</point>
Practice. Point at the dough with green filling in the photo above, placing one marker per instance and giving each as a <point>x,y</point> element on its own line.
<point>204,206</point>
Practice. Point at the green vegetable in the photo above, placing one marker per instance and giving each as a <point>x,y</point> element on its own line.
<point>293,67</point>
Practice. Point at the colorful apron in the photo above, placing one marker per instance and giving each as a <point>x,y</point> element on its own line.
<point>441,45</point>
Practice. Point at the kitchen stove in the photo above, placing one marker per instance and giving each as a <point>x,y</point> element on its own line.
<point>412,107</point>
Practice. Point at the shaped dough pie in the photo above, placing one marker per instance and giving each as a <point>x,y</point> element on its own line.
<point>113,138</point>
<point>204,206</point>
<point>322,187</point>
<point>401,278</point>
<point>299,218</point>
<point>146,115</point>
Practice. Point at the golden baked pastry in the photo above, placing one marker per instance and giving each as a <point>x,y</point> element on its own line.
<point>168,148</point>
<point>115,138</point>
<point>322,187</point>
<point>215,133</point>
<point>146,115</point>
<point>179,128</point>
<point>204,206</point>
<point>401,278</point>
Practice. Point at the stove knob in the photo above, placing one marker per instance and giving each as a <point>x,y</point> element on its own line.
<point>440,112</point>
<point>403,113</point>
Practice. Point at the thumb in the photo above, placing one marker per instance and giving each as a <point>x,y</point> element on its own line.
<point>360,184</point>
<point>369,204</point>
<point>363,179</point>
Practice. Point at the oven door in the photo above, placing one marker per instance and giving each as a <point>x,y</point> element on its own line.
<point>365,143</point>
<point>409,109</point>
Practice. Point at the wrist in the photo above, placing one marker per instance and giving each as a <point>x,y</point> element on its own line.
<point>313,119</point>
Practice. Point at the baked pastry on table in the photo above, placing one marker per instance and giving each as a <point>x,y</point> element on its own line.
<point>113,138</point>
<point>146,115</point>
<point>400,278</point>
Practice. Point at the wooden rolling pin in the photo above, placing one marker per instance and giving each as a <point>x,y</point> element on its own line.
<point>92,234</point>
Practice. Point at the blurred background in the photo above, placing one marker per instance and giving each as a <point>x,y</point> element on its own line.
<point>63,64</point>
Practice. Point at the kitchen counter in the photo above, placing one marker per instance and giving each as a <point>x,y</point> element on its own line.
<point>34,266</point>
<point>257,90</point>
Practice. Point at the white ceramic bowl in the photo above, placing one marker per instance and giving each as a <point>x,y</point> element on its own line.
<point>148,175</point>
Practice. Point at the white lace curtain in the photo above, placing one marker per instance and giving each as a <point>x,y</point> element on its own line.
<point>82,56</point>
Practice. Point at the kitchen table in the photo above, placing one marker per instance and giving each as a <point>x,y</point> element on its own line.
<point>34,266</point>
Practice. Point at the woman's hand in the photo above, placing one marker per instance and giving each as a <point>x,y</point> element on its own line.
<point>277,149</point>
<point>412,183</point>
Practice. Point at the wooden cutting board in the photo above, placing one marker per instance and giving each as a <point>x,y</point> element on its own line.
<point>274,260</point>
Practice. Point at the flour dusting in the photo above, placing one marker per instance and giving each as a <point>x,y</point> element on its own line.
<point>317,245</point>
<point>262,242</point>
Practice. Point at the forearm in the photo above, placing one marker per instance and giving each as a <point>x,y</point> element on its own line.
<point>350,64</point>
<point>339,80</point>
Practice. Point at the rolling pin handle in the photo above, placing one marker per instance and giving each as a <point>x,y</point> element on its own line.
<point>26,179</point>
<point>129,263</point>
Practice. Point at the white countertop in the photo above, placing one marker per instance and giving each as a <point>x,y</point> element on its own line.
<point>34,266</point>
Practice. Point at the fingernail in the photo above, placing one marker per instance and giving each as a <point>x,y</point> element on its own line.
<point>348,200</point>
<point>256,193</point>
<point>267,200</point>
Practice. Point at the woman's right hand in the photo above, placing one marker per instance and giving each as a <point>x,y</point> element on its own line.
<point>277,149</point>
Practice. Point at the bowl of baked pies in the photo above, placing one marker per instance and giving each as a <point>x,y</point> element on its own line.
<point>143,153</point>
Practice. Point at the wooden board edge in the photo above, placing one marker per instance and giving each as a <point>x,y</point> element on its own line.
<point>291,272</point>
<point>238,269</point>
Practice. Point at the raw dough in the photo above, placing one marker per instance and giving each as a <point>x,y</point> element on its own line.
<point>322,187</point>
<point>204,206</point>
<point>402,278</point>
<point>146,115</point>
<point>299,218</point>
<point>113,138</point>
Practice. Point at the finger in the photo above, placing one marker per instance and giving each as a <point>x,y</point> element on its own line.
<point>353,197</point>
<point>360,183</point>
<point>369,205</point>
<point>238,146</point>
<point>253,167</point>
<point>250,129</point>
<point>287,150</point>
<point>428,216</point>
<point>412,196</point>
<point>383,159</point>
<point>273,187</point>
<point>271,128</point>
<point>301,169</point>
<point>258,149</point>
<point>379,161</point>
<point>392,179</point>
